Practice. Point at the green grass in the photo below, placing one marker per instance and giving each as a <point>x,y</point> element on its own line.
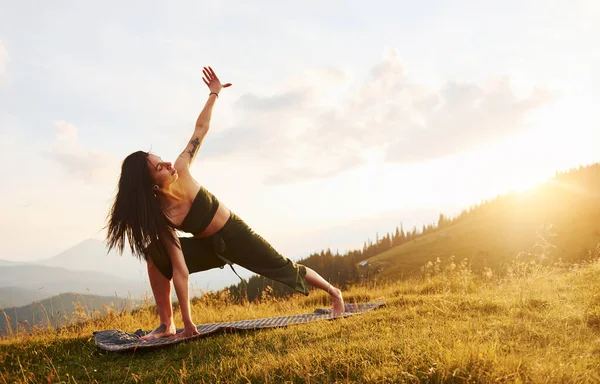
<point>533,324</point>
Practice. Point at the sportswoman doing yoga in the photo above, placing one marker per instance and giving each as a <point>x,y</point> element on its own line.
<point>155,197</point>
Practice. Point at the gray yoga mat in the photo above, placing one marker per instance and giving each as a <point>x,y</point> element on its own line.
<point>119,341</point>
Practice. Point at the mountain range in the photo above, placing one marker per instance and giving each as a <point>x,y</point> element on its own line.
<point>62,309</point>
<point>87,268</point>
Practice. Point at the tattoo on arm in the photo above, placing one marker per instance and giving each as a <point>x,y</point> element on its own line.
<point>195,144</point>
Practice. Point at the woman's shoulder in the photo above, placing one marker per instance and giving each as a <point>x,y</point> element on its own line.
<point>176,211</point>
<point>188,187</point>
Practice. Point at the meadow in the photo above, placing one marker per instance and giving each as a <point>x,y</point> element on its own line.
<point>507,292</point>
<point>532,323</point>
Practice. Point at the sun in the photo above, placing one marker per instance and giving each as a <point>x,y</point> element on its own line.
<point>522,184</point>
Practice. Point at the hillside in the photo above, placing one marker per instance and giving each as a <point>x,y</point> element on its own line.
<point>558,219</point>
<point>538,325</point>
<point>60,310</point>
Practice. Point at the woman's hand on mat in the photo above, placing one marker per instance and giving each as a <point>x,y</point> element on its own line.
<point>212,81</point>
<point>187,332</point>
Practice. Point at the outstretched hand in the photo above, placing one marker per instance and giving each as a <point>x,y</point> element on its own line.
<point>212,81</point>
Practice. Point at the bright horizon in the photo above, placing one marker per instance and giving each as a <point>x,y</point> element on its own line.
<point>340,123</point>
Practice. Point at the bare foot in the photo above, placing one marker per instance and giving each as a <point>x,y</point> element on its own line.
<point>337,300</point>
<point>187,332</point>
<point>160,331</point>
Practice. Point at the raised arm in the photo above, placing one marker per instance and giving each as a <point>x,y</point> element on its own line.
<point>187,157</point>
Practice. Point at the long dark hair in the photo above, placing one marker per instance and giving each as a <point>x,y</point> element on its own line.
<point>136,212</point>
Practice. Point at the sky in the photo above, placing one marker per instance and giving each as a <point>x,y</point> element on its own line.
<point>344,120</point>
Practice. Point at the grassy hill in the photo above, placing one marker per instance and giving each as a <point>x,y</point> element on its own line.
<point>557,219</point>
<point>538,324</point>
<point>525,319</point>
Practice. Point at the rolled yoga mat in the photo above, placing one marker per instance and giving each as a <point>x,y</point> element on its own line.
<point>119,341</point>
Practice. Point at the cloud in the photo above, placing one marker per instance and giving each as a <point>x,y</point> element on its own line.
<point>91,166</point>
<point>331,167</point>
<point>409,122</point>
<point>285,100</point>
<point>3,58</point>
<point>3,62</point>
<point>268,124</point>
<point>460,117</point>
<point>303,135</point>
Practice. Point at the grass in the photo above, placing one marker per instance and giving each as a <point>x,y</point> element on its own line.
<point>534,324</point>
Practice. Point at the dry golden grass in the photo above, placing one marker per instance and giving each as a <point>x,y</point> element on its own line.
<point>535,324</point>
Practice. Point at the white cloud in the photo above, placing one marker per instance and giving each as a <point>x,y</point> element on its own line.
<point>460,117</point>
<point>3,62</point>
<point>60,209</point>
<point>268,124</point>
<point>303,137</point>
<point>290,99</point>
<point>3,58</point>
<point>66,134</point>
<point>89,165</point>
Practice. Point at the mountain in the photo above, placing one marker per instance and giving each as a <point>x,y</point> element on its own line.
<point>88,268</point>
<point>62,309</point>
<point>16,296</point>
<point>6,263</point>
<point>557,220</point>
<point>92,255</point>
<point>49,281</point>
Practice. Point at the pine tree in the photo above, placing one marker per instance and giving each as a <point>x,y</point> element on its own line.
<point>442,221</point>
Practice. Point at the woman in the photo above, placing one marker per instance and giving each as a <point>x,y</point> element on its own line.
<point>155,197</point>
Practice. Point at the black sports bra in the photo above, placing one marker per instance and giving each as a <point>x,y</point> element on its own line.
<point>201,212</point>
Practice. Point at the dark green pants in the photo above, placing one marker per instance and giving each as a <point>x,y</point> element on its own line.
<point>236,243</point>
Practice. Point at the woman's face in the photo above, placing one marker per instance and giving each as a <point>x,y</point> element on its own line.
<point>162,172</point>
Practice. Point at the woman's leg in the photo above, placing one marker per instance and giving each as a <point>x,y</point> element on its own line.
<point>161,289</point>
<point>241,245</point>
<point>314,279</point>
